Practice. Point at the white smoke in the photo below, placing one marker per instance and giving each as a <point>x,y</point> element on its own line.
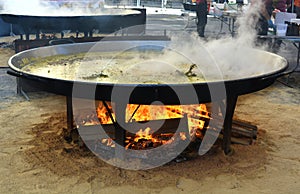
<point>52,8</point>
<point>230,58</point>
<point>20,5</point>
<point>235,57</point>
<point>246,34</point>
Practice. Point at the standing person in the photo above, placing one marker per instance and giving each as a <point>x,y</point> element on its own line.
<point>201,11</point>
<point>265,14</point>
<point>262,26</point>
<point>297,8</point>
<point>281,5</point>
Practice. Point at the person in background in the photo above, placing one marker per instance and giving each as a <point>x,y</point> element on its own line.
<point>263,25</point>
<point>201,11</point>
<point>266,11</point>
<point>297,8</point>
<point>281,5</point>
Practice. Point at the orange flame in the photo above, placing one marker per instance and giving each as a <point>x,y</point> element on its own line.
<point>144,134</point>
<point>197,116</point>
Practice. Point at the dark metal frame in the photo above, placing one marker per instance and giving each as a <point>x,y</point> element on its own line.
<point>35,24</point>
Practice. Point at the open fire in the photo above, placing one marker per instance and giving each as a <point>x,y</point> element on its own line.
<point>197,117</point>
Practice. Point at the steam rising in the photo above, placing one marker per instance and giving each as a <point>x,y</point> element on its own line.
<point>59,8</point>
<point>222,59</point>
<point>225,59</point>
<point>232,57</point>
<point>228,58</point>
<point>247,24</point>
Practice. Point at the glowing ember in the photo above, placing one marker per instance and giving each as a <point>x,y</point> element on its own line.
<point>144,139</point>
<point>182,136</point>
<point>143,135</point>
<point>108,142</point>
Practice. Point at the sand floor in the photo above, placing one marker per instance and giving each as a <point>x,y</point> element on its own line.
<point>35,158</point>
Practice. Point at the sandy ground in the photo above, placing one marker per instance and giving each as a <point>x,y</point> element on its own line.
<point>36,158</point>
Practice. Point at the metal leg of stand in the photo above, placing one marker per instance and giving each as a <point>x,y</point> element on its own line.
<point>297,63</point>
<point>227,126</point>
<point>70,124</point>
<point>24,94</point>
<point>20,90</point>
<point>298,56</point>
<point>298,53</point>
<point>232,21</point>
<point>11,30</point>
<point>120,133</point>
<point>221,27</point>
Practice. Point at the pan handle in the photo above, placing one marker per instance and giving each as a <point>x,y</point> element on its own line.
<point>14,73</point>
<point>60,41</point>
